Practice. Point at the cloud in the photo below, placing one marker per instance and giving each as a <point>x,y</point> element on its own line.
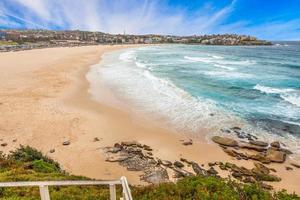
<point>139,17</point>
<point>136,17</point>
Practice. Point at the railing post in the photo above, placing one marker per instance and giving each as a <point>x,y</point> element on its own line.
<point>44,192</point>
<point>126,189</point>
<point>112,191</point>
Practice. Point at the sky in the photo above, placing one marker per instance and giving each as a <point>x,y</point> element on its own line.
<point>265,19</point>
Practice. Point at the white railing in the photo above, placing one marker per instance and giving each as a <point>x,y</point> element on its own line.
<point>44,191</point>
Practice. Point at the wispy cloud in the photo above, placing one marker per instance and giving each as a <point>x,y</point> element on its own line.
<point>139,17</point>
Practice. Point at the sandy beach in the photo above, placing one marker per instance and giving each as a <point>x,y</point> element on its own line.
<point>44,101</point>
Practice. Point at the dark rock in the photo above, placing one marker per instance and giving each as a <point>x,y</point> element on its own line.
<point>187,143</point>
<point>248,179</point>
<point>267,177</point>
<point>166,163</point>
<point>117,145</point>
<point>181,172</point>
<point>236,128</point>
<point>198,170</point>
<point>275,156</point>
<point>131,143</point>
<point>260,157</point>
<point>156,175</point>
<point>65,143</point>
<point>236,175</point>
<point>275,144</point>
<point>96,139</point>
<point>211,164</point>
<point>212,171</point>
<point>52,150</point>
<point>252,147</point>
<point>147,148</point>
<point>259,143</point>
<point>295,165</point>
<point>286,151</point>
<point>4,144</point>
<point>266,186</point>
<point>260,168</point>
<point>225,130</point>
<point>225,141</point>
<point>14,140</point>
<point>178,164</point>
<point>288,168</point>
<point>119,157</point>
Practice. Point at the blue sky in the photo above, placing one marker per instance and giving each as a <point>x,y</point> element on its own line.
<point>266,19</point>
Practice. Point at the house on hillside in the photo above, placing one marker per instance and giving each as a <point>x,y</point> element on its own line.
<point>2,35</point>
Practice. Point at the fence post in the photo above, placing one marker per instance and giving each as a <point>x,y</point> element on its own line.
<point>44,192</point>
<point>112,191</point>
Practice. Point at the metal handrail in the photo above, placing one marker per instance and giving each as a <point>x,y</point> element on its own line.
<point>44,191</point>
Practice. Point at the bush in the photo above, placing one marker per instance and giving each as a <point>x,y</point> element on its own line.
<point>44,167</point>
<point>29,154</point>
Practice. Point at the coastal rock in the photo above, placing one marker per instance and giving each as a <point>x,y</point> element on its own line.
<point>295,165</point>
<point>267,177</point>
<point>65,143</point>
<point>52,150</point>
<point>252,147</point>
<point>118,157</point>
<point>275,144</point>
<point>225,130</point>
<point>236,128</point>
<point>288,168</point>
<point>198,170</point>
<point>211,171</point>
<point>4,144</point>
<point>181,172</point>
<point>187,143</point>
<point>131,143</point>
<point>113,149</point>
<point>275,156</point>
<point>96,139</point>
<point>178,164</point>
<point>260,168</point>
<point>225,141</point>
<point>147,148</point>
<point>266,186</point>
<point>156,175</point>
<point>166,163</point>
<point>260,157</point>
<point>258,143</point>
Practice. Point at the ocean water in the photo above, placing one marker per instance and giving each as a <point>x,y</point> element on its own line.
<point>191,87</point>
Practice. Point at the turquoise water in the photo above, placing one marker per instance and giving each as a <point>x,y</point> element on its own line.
<point>191,87</point>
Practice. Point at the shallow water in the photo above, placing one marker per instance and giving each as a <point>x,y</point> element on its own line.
<point>191,87</point>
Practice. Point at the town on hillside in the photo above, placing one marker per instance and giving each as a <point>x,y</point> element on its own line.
<point>14,40</point>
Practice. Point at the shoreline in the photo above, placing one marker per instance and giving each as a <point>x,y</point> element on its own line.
<point>53,101</point>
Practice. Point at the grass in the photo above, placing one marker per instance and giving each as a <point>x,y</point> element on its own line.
<point>28,164</point>
<point>5,43</point>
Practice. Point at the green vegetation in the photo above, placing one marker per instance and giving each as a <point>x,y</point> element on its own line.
<point>5,43</point>
<point>27,163</point>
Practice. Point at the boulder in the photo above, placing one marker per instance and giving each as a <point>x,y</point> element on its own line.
<point>118,157</point>
<point>96,139</point>
<point>4,144</point>
<point>275,144</point>
<point>198,170</point>
<point>260,168</point>
<point>212,171</point>
<point>258,143</point>
<point>65,143</point>
<point>156,175</point>
<point>52,150</point>
<point>178,164</point>
<point>181,172</point>
<point>275,156</point>
<point>260,157</point>
<point>166,163</point>
<point>288,168</point>
<point>225,141</point>
<point>252,147</point>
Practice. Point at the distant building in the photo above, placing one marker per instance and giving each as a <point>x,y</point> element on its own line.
<point>2,35</point>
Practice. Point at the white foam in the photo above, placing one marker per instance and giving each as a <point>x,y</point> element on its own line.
<point>290,95</point>
<point>224,67</point>
<point>270,90</point>
<point>220,61</point>
<point>127,56</point>
<point>292,98</point>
